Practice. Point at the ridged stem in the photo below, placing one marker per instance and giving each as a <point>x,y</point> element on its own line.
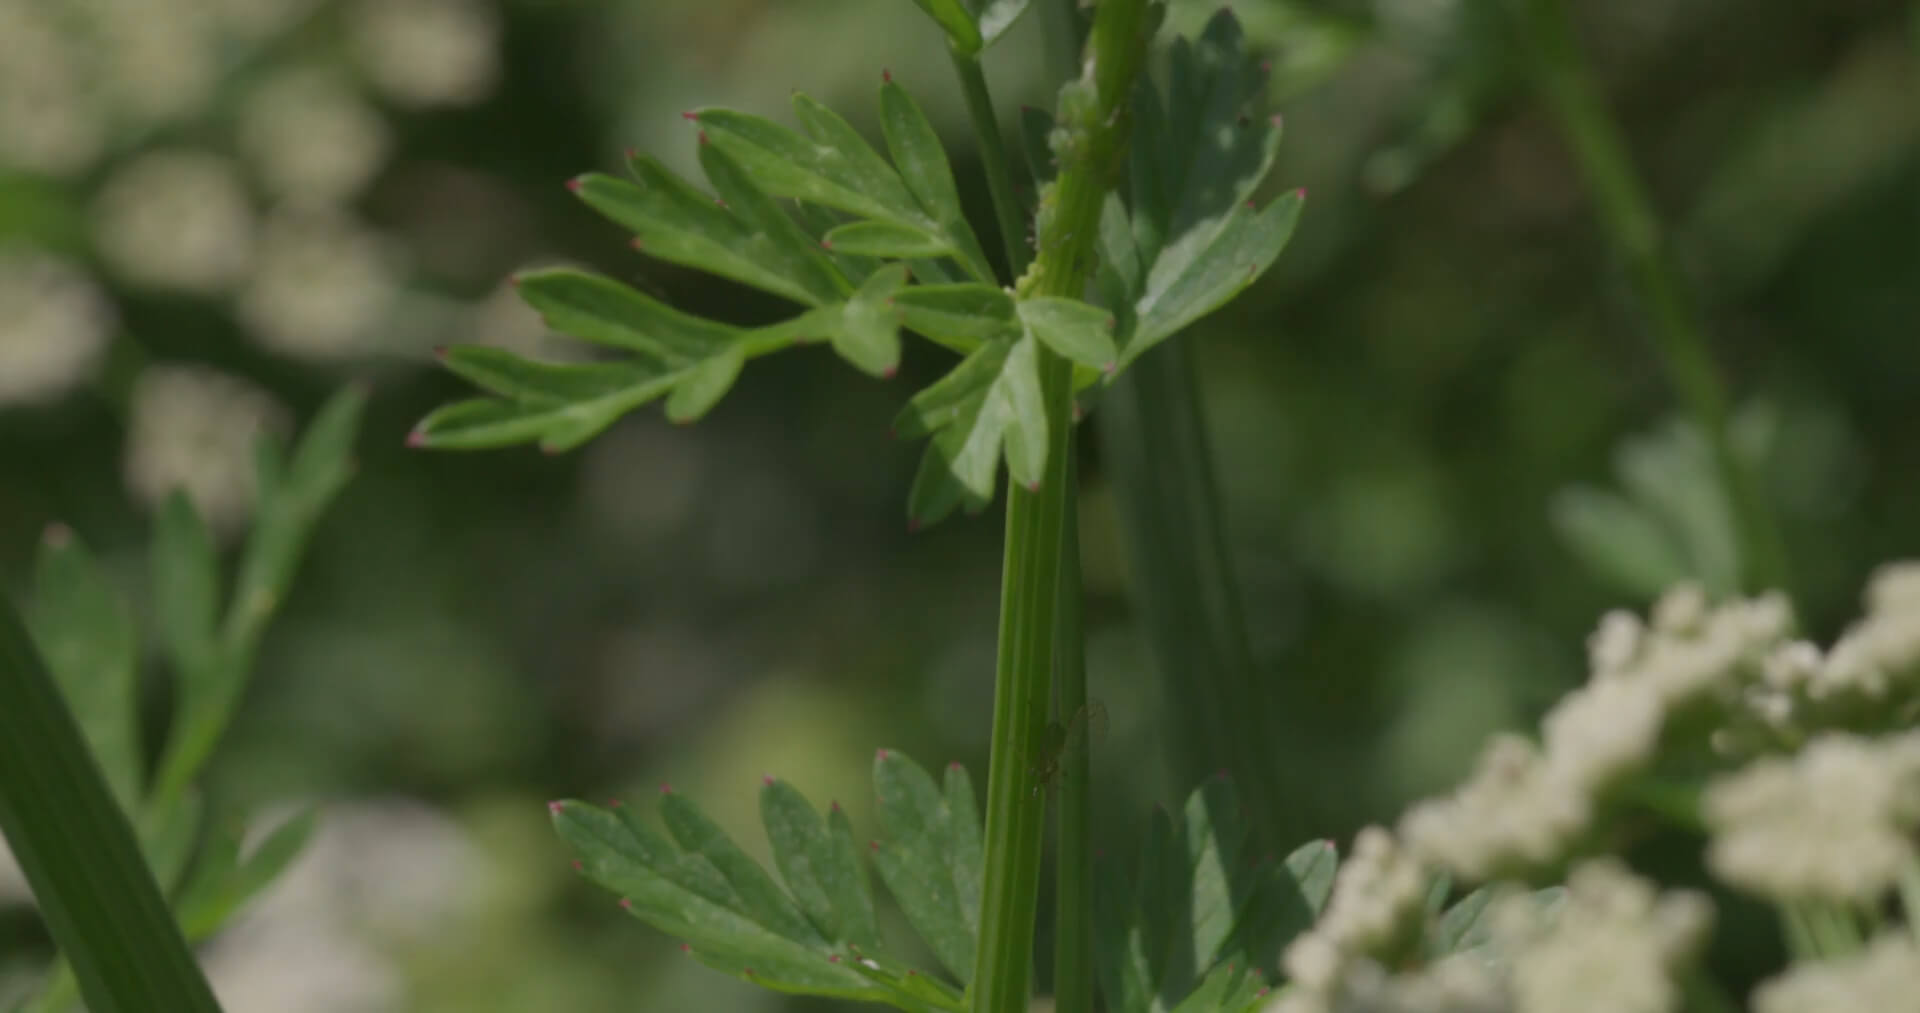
<point>1030,577</point>
<point>1073,850</point>
<point>993,156</point>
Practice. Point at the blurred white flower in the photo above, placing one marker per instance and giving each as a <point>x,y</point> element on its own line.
<point>1833,822</point>
<point>54,325</point>
<point>377,875</point>
<point>323,284</point>
<point>1601,732</point>
<point>1379,896</point>
<point>253,20</point>
<point>1880,654</point>
<point>1514,812</point>
<point>310,137</point>
<point>177,219</point>
<point>1616,642</point>
<point>51,119</point>
<point>194,428</point>
<point>428,52</point>
<point>1885,976</point>
<point>504,320</point>
<point>160,58</point>
<point>1613,947</point>
<point>1459,984</point>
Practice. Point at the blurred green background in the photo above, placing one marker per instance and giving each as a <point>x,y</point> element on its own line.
<point>1443,440</point>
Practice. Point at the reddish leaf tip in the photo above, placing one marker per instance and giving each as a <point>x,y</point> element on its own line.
<point>954,765</point>
<point>1276,119</point>
<point>688,114</point>
<point>703,137</point>
<point>1111,368</point>
<point>826,244</point>
<point>913,525</point>
<point>748,971</point>
<point>416,439</point>
<point>57,535</point>
<point>1300,192</point>
<point>574,184</point>
<point>886,75</point>
<point>514,280</point>
<point>626,904</point>
<point>833,958</point>
<point>666,788</point>
<point>556,805</point>
<point>686,947</point>
<point>873,845</point>
<point>766,779</point>
<point>1263,991</point>
<point>440,352</point>
<point>577,866</point>
<point>834,805</point>
<point>720,201</point>
<point>638,243</point>
<point>1033,486</point>
<point>911,973</point>
<point>890,372</point>
<point>614,803</point>
<point>1251,206</point>
<point>880,754</point>
<point>1266,66</point>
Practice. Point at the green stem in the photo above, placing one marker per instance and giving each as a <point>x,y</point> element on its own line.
<point>993,153</point>
<point>78,852</point>
<point>1801,943</point>
<point>1030,577</point>
<point>1073,855</point>
<point>1635,231</point>
<point>1154,437</point>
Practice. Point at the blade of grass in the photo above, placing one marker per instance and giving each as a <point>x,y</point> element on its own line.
<point>1634,229</point>
<point>1155,444</point>
<point>78,852</point>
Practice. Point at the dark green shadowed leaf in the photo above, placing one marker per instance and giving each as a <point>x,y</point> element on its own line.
<point>1076,330</point>
<point>186,587</point>
<point>83,629</point>
<point>919,863</point>
<point>734,917</point>
<point>1199,272</point>
<point>78,853</point>
<point>886,239</point>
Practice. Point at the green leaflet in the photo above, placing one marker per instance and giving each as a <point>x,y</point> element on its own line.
<point>1073,329</point>
<point>813,932</point>
<point>930,867</point>
<point>83,629</point>
<point>223,880</point>
<point>988,405</point>
<point>885,239</point>
<point>973,25</point>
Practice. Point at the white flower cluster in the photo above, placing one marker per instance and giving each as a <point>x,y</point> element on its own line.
<point>428,52</point>
<point>176,219</point>
<point>194,429</point>
<point>1885,976</point>
<point>1615,945</point>
<point>1874,668</point>
<point>1834,822</point>
<point>54,325</point>
<point>1376,909</point>
<point>1525,807</point>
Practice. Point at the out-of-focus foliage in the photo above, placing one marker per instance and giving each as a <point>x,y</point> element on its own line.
<point>1398,413</point>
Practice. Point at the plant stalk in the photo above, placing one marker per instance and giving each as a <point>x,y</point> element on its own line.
<point>1073,850</point>
<point>1030,576</point>
<point>1635,232</point>
<point>993,155</point>
<point>79,853</point>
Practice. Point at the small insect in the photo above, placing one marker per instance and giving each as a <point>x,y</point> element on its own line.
<point>1087,726</point>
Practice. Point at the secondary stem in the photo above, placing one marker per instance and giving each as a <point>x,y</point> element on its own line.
<point>1073,855</point>
<point>1030,579</point>
<point>999,168</point>
<point>1635,231</point>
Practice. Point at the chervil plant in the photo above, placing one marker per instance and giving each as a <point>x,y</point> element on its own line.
<point>1147,218</point>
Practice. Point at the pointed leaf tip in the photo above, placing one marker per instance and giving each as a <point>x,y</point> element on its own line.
<point>577,865</point>
<point>416,439</point>
<point>556,805</point>
<point>574,184</point>
<point>767,780</point>
<point>440,352</point>
<point>886,75</point>
<point>626,904</point>
<point>880,753</point>
<point>889,372</point>
<point>665,788</point>
<point>688,114</point>
<point>56,535</point>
